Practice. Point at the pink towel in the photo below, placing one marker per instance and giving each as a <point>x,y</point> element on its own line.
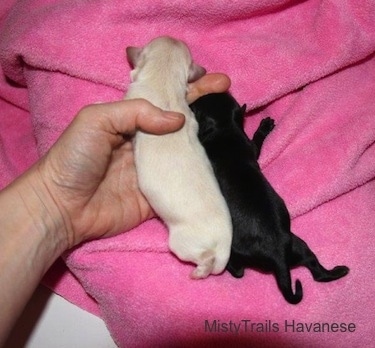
<point>309,64</point>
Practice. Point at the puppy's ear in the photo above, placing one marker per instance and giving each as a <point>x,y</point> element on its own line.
<point>195,72</point>
<point>133,55</point>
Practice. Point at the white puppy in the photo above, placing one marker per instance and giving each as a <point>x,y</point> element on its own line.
<point>173,170</point>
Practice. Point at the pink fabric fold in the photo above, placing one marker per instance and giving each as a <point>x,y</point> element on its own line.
<point>308,64</point>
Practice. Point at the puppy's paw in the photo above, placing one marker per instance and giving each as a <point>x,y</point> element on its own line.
<point>339,272</point>
<point>266,125</point>
<point>336,273</point>
<point>333,274</point>
<point>199,273</point>
<point>205,265</point>
<point>236,272</point>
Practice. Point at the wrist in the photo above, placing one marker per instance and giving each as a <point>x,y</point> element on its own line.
<point>31,213</point>
<point>31,238</point>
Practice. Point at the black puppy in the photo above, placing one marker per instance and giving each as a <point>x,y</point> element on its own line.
<point>261,223</point>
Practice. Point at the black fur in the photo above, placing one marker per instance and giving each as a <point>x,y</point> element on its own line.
<point>261,223</point>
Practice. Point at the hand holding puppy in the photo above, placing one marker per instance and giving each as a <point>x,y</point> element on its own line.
<point>85,187</point>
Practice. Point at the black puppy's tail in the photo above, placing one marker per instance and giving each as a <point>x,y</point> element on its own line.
<point>285,285</point>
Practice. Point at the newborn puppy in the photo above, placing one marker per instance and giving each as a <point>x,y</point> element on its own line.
<point>173,170</point>
<point>261,222</point>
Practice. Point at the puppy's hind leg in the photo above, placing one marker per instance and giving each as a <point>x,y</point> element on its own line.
<point>265,128</point>
<point>284,282</point>
<point>205,265</point>
<point>236,265</point>
<point>303,256</point>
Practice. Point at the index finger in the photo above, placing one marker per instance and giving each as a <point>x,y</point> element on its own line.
<point>209,83</point>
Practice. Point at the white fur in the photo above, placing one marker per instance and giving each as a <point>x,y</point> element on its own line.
<point>173,170</point>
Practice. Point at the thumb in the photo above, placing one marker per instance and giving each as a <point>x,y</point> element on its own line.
<point>128,116</point>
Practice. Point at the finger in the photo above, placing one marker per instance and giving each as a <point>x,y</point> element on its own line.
<point>209,83</point>
<point>127,116</point>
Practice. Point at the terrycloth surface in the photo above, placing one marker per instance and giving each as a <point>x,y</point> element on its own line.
<point>59,56</point>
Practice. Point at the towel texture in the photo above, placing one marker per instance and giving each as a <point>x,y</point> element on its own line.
<point>310,65</point>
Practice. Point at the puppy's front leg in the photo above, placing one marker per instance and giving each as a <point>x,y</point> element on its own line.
<point>265,128</point>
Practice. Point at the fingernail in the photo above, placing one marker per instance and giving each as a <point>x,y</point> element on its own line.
<point>173,115</point>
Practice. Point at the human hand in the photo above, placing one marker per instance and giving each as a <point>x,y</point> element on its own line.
<point>89,174</point>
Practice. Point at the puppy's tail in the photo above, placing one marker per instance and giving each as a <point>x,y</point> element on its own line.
<point>285,285</point>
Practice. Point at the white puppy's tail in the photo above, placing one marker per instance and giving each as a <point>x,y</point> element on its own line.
<point>205,265</point>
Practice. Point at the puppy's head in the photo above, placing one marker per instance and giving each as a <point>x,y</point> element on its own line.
<point>165,54</point>
<point>217,111</point>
